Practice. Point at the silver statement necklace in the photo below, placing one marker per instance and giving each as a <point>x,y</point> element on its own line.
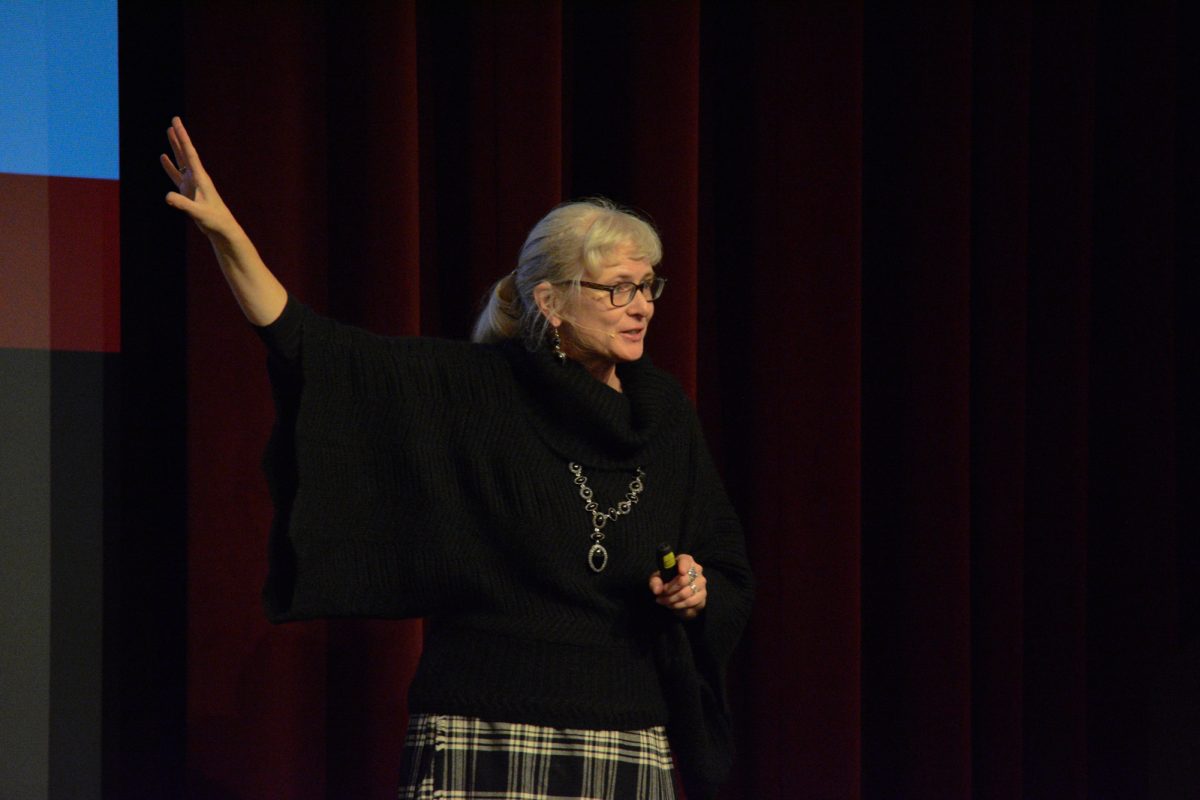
<point>597,556</point>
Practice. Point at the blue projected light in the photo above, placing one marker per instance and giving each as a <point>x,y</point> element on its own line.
<point>58,88</point>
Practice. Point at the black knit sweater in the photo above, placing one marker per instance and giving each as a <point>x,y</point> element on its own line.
<point>424,477</point>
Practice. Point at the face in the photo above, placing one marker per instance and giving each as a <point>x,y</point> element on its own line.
<point>594,329</point>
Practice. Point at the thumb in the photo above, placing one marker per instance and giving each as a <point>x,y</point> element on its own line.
<point>180,202</point>
<point>176,200</point>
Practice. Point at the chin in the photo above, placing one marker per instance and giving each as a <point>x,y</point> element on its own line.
<point>630,353</point>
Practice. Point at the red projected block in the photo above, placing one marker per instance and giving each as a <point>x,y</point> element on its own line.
<point>60,255</point>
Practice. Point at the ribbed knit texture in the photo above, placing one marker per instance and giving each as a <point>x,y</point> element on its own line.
<point>423,477</point>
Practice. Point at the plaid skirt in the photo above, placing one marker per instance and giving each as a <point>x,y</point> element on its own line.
<point>462,758</point>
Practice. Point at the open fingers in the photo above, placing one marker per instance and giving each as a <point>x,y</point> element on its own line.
<point>172,171</point>
<point>185,151</point>
<point>176,148</point>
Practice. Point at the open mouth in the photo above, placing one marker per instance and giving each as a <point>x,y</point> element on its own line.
<point>633,334</point>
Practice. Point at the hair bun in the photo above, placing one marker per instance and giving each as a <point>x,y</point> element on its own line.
<point>505,292</point>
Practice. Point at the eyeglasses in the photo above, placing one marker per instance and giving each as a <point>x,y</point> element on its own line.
<point>622,294</point>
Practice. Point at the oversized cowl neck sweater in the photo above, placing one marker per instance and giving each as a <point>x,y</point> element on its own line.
<point>425,477</point>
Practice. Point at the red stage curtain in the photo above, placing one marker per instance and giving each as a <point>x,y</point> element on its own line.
<point>923,274</point>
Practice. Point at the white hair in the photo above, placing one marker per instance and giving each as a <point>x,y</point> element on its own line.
<point>572,240</point>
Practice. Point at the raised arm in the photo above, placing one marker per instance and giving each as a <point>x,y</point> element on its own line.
<point>258,292</point>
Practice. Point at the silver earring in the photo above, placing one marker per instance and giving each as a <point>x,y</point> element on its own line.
<point>556,341</point>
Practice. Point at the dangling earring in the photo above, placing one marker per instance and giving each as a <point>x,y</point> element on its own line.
<point>556,341</point>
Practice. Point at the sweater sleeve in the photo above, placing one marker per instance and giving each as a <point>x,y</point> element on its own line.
<point>351,534</point>
<point>282,337</point>
<point>720,548</point>
<point>694,654</point>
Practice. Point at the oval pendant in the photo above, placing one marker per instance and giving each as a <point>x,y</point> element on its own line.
<point>597,558</point>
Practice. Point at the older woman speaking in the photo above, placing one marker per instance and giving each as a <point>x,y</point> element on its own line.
<point>514,491</point>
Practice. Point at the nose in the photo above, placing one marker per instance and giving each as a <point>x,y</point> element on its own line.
<point>642,305</point>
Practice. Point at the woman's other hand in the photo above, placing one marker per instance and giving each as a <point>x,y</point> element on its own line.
<point>686,593</point>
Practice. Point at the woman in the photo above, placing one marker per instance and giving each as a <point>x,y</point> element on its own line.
<point>512,491</point>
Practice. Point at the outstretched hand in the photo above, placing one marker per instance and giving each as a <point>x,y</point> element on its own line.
<point>685,593</point>
<point>258,292</point>
<point>195,194</point>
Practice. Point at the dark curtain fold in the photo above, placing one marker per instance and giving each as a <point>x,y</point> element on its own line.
<point>916,532</point>
<point>929,281</point>
<point>999,386</point>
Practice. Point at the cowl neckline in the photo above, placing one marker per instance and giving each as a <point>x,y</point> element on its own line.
<point>587,421</point>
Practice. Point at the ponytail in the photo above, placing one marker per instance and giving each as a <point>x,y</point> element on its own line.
<point>501,317</point>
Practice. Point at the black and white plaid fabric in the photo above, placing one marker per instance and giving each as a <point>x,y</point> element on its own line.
<point>461,758</point>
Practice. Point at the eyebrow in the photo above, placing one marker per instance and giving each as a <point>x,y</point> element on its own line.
<point>628,277</point>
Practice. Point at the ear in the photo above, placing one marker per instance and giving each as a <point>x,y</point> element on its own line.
<point>547,302</point>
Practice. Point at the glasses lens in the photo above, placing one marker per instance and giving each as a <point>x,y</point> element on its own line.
<point>623,293</point>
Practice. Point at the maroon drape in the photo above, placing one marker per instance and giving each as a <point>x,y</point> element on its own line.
<point>923,274</point>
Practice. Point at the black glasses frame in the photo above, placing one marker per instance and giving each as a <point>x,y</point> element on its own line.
<point>652,289</point>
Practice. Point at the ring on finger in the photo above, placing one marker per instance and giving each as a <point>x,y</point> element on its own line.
<point>691,573</point>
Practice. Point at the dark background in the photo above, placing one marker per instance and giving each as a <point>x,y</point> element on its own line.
<point>932,273</point>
